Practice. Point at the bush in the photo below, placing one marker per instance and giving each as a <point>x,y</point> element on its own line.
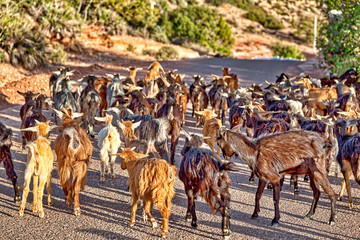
<point>339,36</point>
<point>130,48</point>
<point>149,52</point>
<point>259,15</point>
<point>286,51</point>
<point>305,29</point>
<point>202,25</point>
<point>166,53</point>
<point>237,3</point>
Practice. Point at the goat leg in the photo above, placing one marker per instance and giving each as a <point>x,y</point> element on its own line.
<point>225,225</point>
<point>252,178</point>
<point>40,193</point>
<point>9,167</point>
<point>316,193</point>
<point>259,192</point>
<point>306,178</point>
<point>26,190</point>
<point>190,213</point>
<point>135,200</point>
<point>296,187</point>
<point>147,213</point>
<point>276,197</point>
<point>48,190</point>
<point>35,193</point>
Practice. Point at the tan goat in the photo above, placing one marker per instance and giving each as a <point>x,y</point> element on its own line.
<point>152,180</point>
<point>211,126</point>
<point>39,165</point>
<point>153,72</point>
<point>109,143</point>
<point>127,128</point>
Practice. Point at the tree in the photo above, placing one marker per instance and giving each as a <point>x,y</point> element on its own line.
<point>339,37</point>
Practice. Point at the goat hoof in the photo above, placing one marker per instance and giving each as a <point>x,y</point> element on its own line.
<point>163,234</point>
<point>306,178</point>
<point>154,224</point>
<point>274,223</point>
<point>351,205</point>
<point>145,217</point>
<point>77,211</point>
<point>331,222</point>
<point>50,202</point>
<point>194,224</point>
<point>251,181</point>
<point>226,237</point>
<point>307,216</point>
<point>34,209</point>
<point>21,212</point>
<point>340,198</point>
<point>296,194</point>
<point>112,176</point>
<point>41,214</point>
<point>188,218</point>
<point>102,179</point>
<point>254,216</point>
<point>131,223</point>
<point>17,199</point>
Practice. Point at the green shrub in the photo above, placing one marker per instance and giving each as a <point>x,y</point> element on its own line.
<point>259,15</point>
<point>166,53</point>
<point>202,25</point>
<point>286,51</point>
<point>130,48</point>
<point>237,3</point>
<point>149,52</point>
<point>339,36</point>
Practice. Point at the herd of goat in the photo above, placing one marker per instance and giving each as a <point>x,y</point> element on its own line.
<point>294,126</point>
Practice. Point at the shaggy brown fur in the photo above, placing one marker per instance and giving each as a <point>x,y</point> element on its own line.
<point>73,149</point>
<point>293,152</point>
<point>211,126</point>
<point>151,180</point>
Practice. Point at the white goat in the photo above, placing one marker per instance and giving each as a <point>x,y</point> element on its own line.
<point>109,143</point>
<point>39,165</point>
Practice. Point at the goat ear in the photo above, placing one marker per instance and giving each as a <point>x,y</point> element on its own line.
<point>126,69</point>
<point>206,137</point>
<point>201,113</point>
<point>222,132</point>
<point>110,75</point>
<point>351,122</point>
<point>37,122</point>
<point>58,113</point>
<point>136,125</point>
<point>31,129</point>
<point>121,125</point>
<point>133,148</point>
<point>76,114</point>
<point>139,69</point>
<point>100,119</point>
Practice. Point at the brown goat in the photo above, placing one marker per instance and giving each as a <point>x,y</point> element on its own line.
<point>73,149</point>
<point>100,87</point>
<point>204,173</point>
<point>232,80</point>
<point>211,126</point>
<point>293,152</point>
<point>153,72</point>
<point>151,180</point>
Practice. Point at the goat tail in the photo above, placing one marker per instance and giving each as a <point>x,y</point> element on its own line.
<point>31,148</point>
<point>163,129</point>
<point>229,166</point>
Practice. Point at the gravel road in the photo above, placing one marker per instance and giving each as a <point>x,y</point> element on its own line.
<point>106,206</point>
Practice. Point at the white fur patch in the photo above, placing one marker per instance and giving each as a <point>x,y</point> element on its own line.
<point>74,136</point>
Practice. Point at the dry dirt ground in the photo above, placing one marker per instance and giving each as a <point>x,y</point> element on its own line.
<point>106,206</point>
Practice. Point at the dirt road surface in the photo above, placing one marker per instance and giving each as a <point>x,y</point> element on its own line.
<point>106,206</point>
